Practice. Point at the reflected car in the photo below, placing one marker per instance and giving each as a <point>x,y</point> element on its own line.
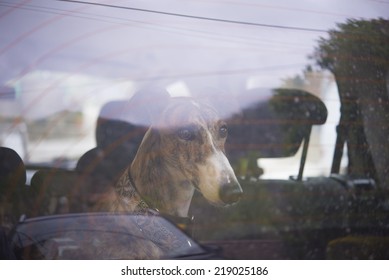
<point>103,236</point>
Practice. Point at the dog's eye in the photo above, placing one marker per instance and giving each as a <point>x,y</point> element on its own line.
<point>223,131</point>
<point>187,134</point>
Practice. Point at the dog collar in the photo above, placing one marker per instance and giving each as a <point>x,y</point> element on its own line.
<point>183,223</point>
<point>142,203</point>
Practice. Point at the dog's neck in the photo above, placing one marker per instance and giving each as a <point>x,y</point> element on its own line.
<point>157,180</point>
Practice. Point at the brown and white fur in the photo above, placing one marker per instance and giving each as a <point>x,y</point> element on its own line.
<point>182,151</point>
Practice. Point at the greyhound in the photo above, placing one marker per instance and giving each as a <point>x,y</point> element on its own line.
<point>181,152</point>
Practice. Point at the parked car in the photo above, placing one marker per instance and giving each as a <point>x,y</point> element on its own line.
<point>102,236</point>
<point>304,98</point>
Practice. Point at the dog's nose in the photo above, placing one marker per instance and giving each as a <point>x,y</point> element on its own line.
<point>231,193</point>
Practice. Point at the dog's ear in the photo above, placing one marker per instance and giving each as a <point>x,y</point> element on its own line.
<point>150,103</point>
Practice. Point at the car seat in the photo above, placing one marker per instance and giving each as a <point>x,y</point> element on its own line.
<point>120,128</point>
<point>53,191</point>
<point>14,197</point>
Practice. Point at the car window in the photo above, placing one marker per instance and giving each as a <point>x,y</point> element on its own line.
<point>270,116</point>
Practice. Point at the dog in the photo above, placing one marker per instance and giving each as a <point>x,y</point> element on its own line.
<point>181,152</point>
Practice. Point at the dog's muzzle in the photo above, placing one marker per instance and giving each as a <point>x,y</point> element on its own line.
<point>231,192</point>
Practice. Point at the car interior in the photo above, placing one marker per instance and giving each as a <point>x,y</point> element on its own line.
<point>298,218</point>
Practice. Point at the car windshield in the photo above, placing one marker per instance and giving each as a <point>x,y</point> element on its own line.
<point>264,122</point>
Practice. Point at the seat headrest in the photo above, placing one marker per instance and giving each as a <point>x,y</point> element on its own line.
<point>274,122</point>
<point>122,124</point>
<point>12,170</point>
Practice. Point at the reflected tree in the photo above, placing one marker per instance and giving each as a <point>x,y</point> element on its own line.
<point>357,53</point>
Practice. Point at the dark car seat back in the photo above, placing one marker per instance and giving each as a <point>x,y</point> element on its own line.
<point>119,134</point>
<point>12,171</point>
<point>273,123</point>
<point>12,185</point>
<point>120,128</point>
<point>53,192</point>
<point>97,173</point>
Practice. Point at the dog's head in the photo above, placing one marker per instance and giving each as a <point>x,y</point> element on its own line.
<point>190,140</point>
